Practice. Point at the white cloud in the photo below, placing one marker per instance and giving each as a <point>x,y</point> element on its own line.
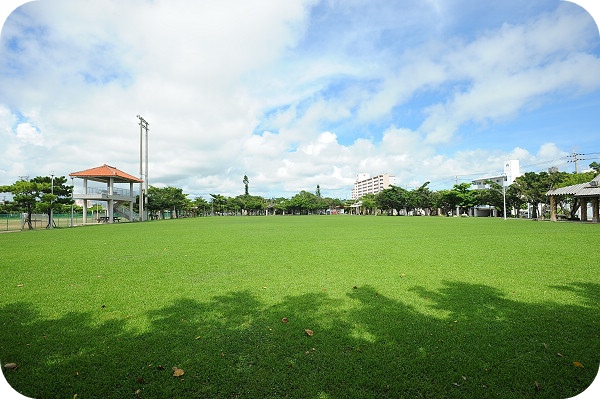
<point>507,72</point>
<point>28,134</point>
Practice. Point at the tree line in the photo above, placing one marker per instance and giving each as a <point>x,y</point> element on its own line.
<point>527,189</point>
<point>43,193</point>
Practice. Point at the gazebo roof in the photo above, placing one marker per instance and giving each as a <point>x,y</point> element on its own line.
<point>104,172</point>
<point>591,189</point>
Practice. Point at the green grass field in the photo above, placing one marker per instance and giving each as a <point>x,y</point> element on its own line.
<point>398,307</point>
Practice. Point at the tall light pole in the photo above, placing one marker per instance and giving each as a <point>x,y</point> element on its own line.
<point>51,222</point>
<point>504,194</point>
<point>144,185</point>
<point>72,198</point>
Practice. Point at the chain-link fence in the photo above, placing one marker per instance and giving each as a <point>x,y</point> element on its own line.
<point>18,221</point>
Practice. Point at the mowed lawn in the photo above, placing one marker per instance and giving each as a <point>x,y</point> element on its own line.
<point>302,307</point>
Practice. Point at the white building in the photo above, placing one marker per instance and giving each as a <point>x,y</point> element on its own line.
<point>511,172</point>
<point>371,185</point>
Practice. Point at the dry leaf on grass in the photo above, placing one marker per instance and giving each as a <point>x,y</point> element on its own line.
<point>537,386</point>
<point>177,372</point>
<point>577,364</point>
<point>284,320</point>
<point>310,333</point>
<point>10,366</point>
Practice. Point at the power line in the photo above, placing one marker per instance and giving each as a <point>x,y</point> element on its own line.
<point>564,160</point>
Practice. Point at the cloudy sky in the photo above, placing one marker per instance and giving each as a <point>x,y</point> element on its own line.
<point>297,93</point>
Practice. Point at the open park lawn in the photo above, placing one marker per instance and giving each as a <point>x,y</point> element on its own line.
<point>302,307</point>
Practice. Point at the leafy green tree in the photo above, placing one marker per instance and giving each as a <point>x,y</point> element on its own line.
<point>39,194</point>
<point>369,204</point>
<point>252,204</point>
<point>333,203</point>
<point>460,197</point>
<point>447,201</point>
<point>304,203</point>
<point>157,201</point>
<point>55,193</point>
<point>514,200</point>
<point>6,206</point>
<point>232,206</point>
<point>278,205</point>
<point>202,205</point>
<point>393,199</point>
<point>170,199</point>
<point>218,203</point>
<point>466,197</point>
<point>422,198</point>
<point>25,196</point>
<point>491,195</point>
<point>435,201</point>
<point>177,200</point>
<point>532,187</point>
<point>596,167</point>
<point>256,204</point>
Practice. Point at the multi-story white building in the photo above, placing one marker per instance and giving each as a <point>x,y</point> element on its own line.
<point>371,185</point>
<point>511,172</point>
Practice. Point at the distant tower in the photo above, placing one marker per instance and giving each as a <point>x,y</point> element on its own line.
<point>511,170</point>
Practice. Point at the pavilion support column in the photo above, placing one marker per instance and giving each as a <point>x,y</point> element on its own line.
<point>85,201</point>
<point>583,207</point>
<point>595,210</point>
<point>131,202</point>
<point>552,208</point>
<point>111,202</point>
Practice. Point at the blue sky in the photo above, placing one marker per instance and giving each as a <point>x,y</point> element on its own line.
<point>298,93</point>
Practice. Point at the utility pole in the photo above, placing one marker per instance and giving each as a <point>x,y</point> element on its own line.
<point>143,200</point>
<point>576,159</point>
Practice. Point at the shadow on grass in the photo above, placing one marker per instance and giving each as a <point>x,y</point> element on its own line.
<point>234,345</point>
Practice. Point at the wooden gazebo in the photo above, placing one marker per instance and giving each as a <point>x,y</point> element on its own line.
<point>114,197</point>
<point>585,192</point>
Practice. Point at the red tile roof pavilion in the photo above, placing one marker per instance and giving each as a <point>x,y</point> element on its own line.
<point>102,173</point>
<point>115,198</point>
